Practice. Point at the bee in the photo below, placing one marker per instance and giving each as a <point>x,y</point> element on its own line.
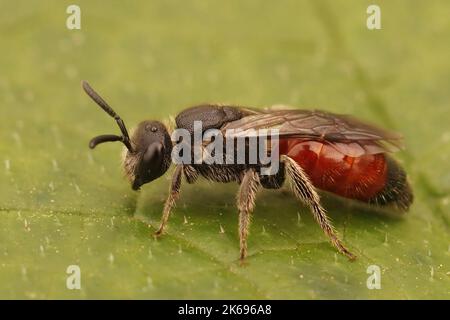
<point>317,150</point>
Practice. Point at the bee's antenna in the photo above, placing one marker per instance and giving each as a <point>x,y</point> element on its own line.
<point>125,138</point>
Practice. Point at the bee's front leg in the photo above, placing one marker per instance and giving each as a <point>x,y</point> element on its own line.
<point>174,194</point>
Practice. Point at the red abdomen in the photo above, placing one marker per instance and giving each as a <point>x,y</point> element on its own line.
<point>361,178</point>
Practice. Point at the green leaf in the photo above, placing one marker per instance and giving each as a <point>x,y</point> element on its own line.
<point>62,204</point>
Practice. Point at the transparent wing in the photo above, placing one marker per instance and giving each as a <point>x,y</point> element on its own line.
<point>347,134</point>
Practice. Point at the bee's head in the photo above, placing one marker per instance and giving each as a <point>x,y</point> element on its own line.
<point>151,153</point>
<point>148,154</point>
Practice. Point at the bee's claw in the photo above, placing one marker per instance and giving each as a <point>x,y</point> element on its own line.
<point>158,233</point>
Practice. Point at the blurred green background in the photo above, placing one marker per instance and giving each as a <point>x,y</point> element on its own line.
<point>62,204</point>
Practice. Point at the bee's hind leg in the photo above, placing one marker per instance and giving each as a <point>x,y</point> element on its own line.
<point>246,202</point>
<point>174,194</point>
<point>305,191</point>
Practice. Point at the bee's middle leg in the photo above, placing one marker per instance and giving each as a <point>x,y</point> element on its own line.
<point>246,203</point>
